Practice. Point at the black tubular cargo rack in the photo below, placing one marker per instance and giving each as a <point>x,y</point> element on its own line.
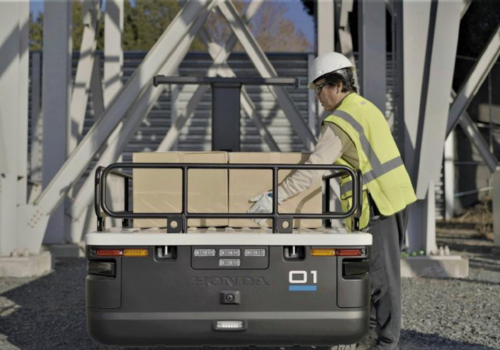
<point>177,221</point>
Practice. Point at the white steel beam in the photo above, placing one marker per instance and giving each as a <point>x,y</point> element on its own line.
<point>471,130</point>
<point>345,37</point>
<point>266,70</point>
<point>449,176</point>
<point>474,135</point>
<point>3,149</point>
<point>36,127</point>
<point>23,104</point>
<point>415,18</point>
<point>56,97</point>
<point>439,75</point>
<point>412,28</point>
<point>126,129</point>
<point>429,239</point>
<point>81,88</point>
<point>465,7</point>
<point>495,184</point>
<point>113,52</point>
<point>475,79</point>
<point>372,51</point>
<point>14,24</point>
<point>312,102</point>
<point>96,88</point>
<point>103,128</point>
<point>325,14</point>
<point>113,28</point>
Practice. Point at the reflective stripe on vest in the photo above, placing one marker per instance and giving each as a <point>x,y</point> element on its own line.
<point>378,169</point>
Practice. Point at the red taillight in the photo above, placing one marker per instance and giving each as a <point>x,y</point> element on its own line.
<point>349,252</point>
<point>135,252</point>
<point>109,252</point>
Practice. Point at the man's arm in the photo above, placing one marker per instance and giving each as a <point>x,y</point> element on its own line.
<point>328,149</point>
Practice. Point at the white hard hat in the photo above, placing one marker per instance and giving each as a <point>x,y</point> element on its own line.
<point>327,63</point>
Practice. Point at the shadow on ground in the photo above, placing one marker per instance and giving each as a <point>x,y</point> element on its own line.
<point>412,340</point>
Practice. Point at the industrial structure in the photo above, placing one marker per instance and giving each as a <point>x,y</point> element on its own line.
<point>45,200</point>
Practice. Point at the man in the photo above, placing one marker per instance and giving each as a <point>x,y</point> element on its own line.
<point>357,135</point>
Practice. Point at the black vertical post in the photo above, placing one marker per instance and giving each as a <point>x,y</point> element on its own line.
<point>226,117</point>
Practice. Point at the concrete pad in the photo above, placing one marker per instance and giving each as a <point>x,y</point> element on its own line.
<point>26,266</point>
<point>453,266</point>
<point>64,250</point>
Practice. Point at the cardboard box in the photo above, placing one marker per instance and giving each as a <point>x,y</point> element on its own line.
<point>160,190</point>
<point>245,184</point>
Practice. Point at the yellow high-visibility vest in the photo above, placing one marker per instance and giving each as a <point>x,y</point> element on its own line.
<point>384,174</point>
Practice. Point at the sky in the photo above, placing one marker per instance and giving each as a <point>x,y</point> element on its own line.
<point>295,13</point>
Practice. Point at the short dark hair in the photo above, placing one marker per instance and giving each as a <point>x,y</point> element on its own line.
<point>344,76</point>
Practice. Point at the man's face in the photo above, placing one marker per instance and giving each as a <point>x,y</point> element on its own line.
<point>329,96</point>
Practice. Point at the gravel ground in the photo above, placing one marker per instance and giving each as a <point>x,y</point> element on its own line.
<point>49,312</point>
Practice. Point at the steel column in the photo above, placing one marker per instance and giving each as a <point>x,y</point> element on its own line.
<point>345,36</point>
<point>325,14</point>
<point>91,16</point>
<point>372,51</point>
<point>495,183</point>
<point>23,104</point>
<point>36,127</point>
<point>312,102</point>
<point>414,19</point>
<point>439,75</point>
<point>56,97</point>
<point>475,79</point>
<point>449,176</point>
<point>266,70</point>
<point>412,25</point>
<point>96,88</point>
<point>113,52</point>
<point>14,67</point>
<point>429,241</point>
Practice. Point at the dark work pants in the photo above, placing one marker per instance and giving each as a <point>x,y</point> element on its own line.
<point>385,277</point>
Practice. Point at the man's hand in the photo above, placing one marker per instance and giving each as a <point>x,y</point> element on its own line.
<point>263,203</point>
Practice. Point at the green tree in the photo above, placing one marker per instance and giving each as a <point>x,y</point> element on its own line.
<point>36,32</point>
<point>147,20</point>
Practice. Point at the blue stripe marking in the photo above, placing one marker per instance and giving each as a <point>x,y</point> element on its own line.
<point>303,288</point>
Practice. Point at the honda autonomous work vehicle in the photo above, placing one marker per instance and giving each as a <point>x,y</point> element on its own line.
<point>180,286</point>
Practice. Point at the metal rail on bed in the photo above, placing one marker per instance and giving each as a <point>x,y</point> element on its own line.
<point>177,222</point>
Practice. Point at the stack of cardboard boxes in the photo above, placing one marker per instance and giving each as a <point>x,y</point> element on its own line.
<point>217,190</point>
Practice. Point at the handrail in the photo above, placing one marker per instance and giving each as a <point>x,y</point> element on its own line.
<point>177,221</point>
<point>97,195</point>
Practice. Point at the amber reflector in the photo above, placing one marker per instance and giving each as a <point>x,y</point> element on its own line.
<point>135,252</point>
<point>323,252</point>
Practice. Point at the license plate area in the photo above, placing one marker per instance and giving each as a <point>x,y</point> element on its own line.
<point>230,257</point>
